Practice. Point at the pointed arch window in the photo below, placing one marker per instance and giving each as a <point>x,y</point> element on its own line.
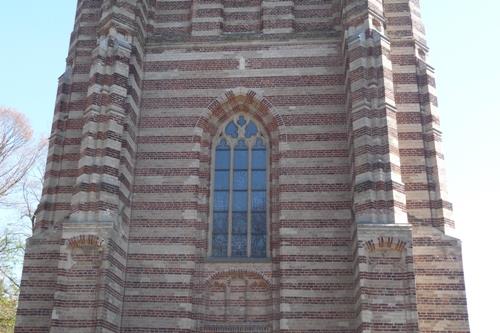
<point>239,206</point>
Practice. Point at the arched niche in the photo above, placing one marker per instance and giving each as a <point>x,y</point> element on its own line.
<point>237,301</point>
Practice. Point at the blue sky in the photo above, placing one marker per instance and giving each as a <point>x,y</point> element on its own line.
<point>34,40</point>
<point>465,54</point>
<point>462,36</point>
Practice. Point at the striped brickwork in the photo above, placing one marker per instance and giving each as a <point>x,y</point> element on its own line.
<point>379,195</point>
<point>90,169</point>
<point>103,189</point>
<point>378,191</point>
<point>340,88</point>
<point>310,91</point>
<point>43,253</point>
<point>387,296</point>
<point>441,298</point>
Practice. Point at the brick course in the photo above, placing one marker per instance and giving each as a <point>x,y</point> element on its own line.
<point>359,215</point>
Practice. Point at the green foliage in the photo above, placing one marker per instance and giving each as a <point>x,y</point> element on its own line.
<point>11,251</point>
<point>11,248</point>
<point>8,305</point>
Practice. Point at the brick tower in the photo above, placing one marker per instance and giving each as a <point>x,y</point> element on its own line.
<point>245,166</point>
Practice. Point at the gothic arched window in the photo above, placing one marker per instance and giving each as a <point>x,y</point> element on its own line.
<point>239,209</point>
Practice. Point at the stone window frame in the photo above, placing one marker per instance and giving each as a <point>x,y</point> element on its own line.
<point>220,134</point>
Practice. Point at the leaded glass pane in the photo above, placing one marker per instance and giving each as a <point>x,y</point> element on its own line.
<point>232,130</point>
<point>240,180</point>
<point>240,203</point>
<point>240,223</point>
<point>220,225</point>
<point>238,135</point>
<point>241,156</point>
<point>221,181</point>
<point>221,200</point>
<point>222,159</point>
<point>259,144</point>
<point>259,180</point>
<point>259,249</point>
<point>239,245</point>
<point>259,159</point>
<point>251,130</point>
<point>259,201</point>
<point>219,245</point>
<point>241,120</point>
<point>223,144</point>
<point>259,225</point>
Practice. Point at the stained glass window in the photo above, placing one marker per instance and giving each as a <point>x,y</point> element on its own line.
<point>239,193</point>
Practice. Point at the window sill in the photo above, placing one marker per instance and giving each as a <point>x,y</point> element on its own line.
<point>237,260</point>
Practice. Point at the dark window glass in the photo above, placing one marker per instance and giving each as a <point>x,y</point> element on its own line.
<point>259,246</point>
<point>259,225</point>
<point>220,223</point>
<point>219,245</point>
<point>240,223</point>
<point>239,245</point>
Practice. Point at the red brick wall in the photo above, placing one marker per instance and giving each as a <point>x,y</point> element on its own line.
<point>358,209</point>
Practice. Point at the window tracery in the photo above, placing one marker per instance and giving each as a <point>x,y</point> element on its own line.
<point>239,221</point>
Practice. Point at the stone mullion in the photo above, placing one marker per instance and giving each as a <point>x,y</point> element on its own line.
<point>249,200</point>
<point>230,203</point>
